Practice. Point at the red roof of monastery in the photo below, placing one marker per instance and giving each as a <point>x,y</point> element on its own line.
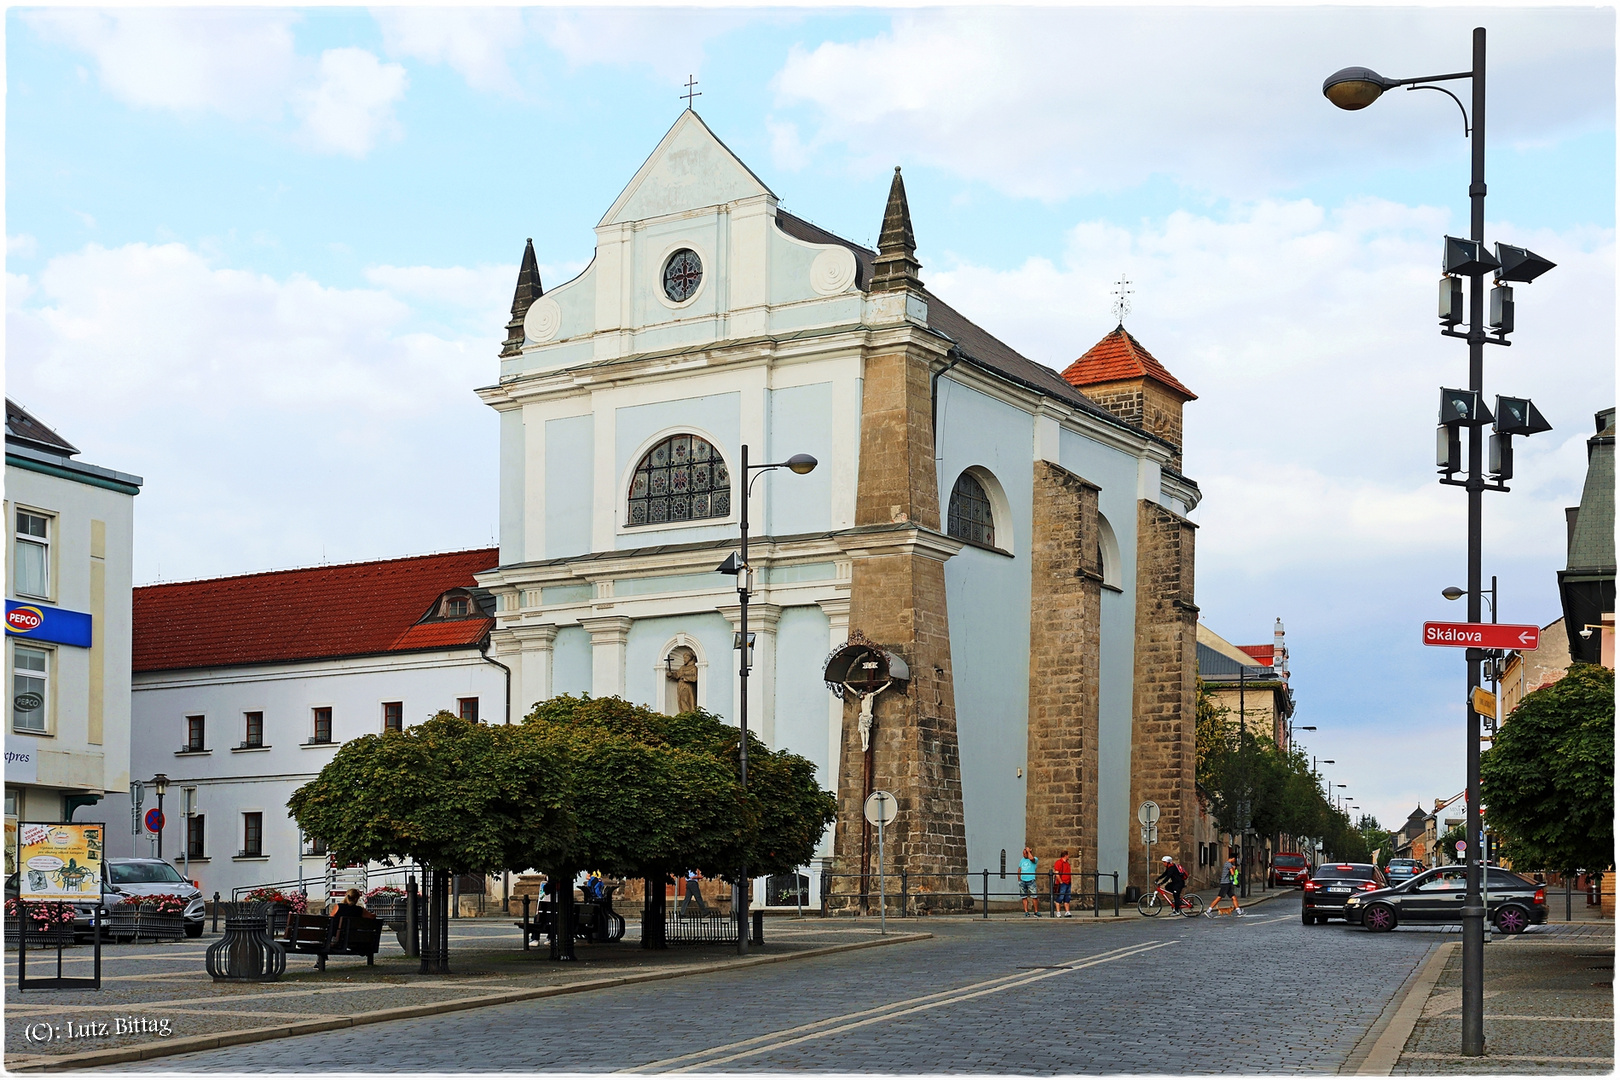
<point>319,612</point>
<point>1117,357</point>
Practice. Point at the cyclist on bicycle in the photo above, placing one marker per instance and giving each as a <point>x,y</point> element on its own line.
<point>1173,878</point>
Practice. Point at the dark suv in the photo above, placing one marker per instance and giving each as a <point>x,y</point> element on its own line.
<point>1437,897</point>
<point>1332,885</point>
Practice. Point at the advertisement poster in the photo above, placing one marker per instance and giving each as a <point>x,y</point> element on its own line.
<point>60,862</point>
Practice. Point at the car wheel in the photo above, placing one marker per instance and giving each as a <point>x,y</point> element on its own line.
<point>1512,920</point>
<point>194,930</point>
<point>1307,918</point>
<point>1379,918</point>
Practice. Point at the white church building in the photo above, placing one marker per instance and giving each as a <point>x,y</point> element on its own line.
<point>1016,536</point>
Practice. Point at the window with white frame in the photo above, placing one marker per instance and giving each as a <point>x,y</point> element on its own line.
<point>682,478</point>
<point>30,689</point>
<point>31,559</point>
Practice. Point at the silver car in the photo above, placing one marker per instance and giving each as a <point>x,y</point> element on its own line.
<point>152,877</point>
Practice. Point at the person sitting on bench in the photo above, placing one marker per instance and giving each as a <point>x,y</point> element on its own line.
<point>349,908</point>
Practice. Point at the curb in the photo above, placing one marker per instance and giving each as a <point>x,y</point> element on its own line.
<point>193,1044</point>
<point>1386,1052</point>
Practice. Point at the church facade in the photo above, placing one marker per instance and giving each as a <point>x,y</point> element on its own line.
<point>1018,546</point>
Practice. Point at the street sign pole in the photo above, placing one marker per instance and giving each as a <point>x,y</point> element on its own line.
<point>883,892</point>
<point>880,809</point>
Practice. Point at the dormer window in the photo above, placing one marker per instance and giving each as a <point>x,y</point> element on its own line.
<point>456,607</point>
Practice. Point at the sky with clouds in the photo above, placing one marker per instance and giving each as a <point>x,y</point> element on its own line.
<point>262,256</point>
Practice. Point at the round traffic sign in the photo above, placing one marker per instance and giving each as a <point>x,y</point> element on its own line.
<point>881,807</point>
<point>1462,846</point>
<point>154,820</point>
<point>1148,812</point>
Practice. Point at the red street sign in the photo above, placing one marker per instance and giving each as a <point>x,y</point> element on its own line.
<point>154,820</point>
<point>1464,635</point>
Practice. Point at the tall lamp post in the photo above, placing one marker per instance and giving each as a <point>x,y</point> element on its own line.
<point>1355,88</point>
<point>738,565</point>
<point>160,784</point>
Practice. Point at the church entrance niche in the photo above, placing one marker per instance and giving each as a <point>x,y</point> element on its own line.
<point>680,680</point>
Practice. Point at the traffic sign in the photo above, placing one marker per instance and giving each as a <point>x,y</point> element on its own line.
<point>881,807</point>
<point>1462,846</point>
<point>1484,702</point>
<point>154,820</point>
<point>1148,812</point>
<point>1150,834</point>
<point>1460,635</point>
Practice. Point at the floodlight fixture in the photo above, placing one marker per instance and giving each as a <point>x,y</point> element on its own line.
<point>1467,257</point>
<point>1520,264</point>
<point>1463,407</point>
<point>1519,416</point>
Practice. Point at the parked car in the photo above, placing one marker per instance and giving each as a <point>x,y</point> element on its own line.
<point>153,877</point>
<point>1512,903</point>
<point>1333,884</point>
<point>1288,868</point>
<point>1400,870</point>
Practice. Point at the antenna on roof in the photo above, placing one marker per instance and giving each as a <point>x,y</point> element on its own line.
<point>1122,299</point>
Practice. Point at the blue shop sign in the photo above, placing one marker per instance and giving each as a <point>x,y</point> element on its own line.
<point>44,623</point>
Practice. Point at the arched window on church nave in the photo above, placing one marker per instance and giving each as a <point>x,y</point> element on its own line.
<point>970,517</point>
<point>682,478</point>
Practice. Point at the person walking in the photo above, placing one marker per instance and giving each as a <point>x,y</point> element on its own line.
<point>694,893</point>
<point>1026,883</point>
<point>1229,881</point>
<point>1062,880</point>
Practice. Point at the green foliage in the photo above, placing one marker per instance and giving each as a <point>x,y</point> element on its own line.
<point>1211,734</point>
<point>1375,838</point>
<point>581,782</point>
<point>1548,779</point>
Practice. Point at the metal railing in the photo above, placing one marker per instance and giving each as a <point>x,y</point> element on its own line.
<point>906,894</point>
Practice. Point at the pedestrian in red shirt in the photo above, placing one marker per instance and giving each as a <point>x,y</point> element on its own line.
<point>1062,876</point>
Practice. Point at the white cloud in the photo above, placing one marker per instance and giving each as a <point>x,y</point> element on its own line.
<point>22,245</point>
<point>472,41</point>
<point>671,41</point>
<point>273,419</point>
<point>1053,102</point>
<point>352,105</point>
<point>241,64</point>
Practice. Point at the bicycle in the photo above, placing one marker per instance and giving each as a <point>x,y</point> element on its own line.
<point>1192,905</point>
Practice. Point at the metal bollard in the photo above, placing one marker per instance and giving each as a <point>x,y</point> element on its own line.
<point>987,893</point>
<point>525,922</point>
<point>216,912</point>
<point>759,926</point>
<point>904,892</point>
<point>1116,893</point>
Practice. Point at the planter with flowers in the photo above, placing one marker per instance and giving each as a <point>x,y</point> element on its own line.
<point>278,905</point>
<point>387,902</point>
<point>50,923</point>
<point>161,915</point>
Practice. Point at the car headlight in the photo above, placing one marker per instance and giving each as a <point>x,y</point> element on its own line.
<point>1352,901</point>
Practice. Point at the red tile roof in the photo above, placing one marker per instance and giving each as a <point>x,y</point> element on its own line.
<point>354,609</point>
<point>1262,653</point>
<point>1118,357</point>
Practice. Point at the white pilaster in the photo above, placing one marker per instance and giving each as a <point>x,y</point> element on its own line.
<point>837,611</point>
<point>532,672</point>
<point>605,483</point>
<point>609,633</point>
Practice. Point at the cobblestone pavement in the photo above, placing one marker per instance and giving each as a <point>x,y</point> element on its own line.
<point>1259,994</point>
<point>153,992</point>
<point>1549,1007</point>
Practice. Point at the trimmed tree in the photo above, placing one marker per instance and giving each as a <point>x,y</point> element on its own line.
<point>1547,781</point>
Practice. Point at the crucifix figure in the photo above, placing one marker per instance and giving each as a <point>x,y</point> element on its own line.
<point>690,93</point>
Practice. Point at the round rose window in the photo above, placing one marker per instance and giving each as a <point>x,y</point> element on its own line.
<point>682,275</point>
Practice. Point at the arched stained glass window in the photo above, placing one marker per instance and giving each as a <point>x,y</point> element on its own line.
<point>969,517</point>
<point>682,478</point>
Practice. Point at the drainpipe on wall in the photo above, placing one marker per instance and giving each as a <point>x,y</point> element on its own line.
<point>933,396</point>
<point>483,653</point>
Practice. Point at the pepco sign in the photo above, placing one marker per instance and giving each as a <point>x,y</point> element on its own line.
<point>57,625</point>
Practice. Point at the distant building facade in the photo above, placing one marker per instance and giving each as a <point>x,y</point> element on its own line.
<point>245,687</point>
<point>1586,584</point>
<point>69,554</point>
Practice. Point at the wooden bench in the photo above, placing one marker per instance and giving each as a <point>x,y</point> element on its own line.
<point>316,934</point>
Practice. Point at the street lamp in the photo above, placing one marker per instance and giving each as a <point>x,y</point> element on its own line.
<point>737,565</point>
<point>160,784</point>
<point>1356,88</point>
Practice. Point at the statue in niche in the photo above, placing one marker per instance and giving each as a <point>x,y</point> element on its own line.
<point>683,672</point>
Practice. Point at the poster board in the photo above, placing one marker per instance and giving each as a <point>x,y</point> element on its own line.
<point>60,861</point>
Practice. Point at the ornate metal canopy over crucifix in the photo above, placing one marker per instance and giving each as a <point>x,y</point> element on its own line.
<point>690,93</point>
<point>1122,299</point>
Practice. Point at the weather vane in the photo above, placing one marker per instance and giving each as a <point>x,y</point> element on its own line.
<point>690,93</point>
<point>1122,298</point>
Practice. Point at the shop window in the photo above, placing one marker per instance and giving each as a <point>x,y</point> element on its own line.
<point>30,689</point>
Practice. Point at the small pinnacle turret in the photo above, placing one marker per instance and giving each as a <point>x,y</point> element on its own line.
<point>896,266</point>
<point>528,291</point>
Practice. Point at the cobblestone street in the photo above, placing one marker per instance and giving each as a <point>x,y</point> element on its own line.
<point>1003,995</point>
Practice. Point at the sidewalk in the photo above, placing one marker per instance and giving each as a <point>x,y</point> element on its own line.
<point>157,999</point>
<point>1549,1007</point>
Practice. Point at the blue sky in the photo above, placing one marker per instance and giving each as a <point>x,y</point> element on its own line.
<point>261,256</point>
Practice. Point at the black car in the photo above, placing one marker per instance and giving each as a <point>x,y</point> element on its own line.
<point>1437,897</point>
<point>1332,885</point>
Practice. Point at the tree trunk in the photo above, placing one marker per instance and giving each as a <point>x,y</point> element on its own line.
<point>652,911</point>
